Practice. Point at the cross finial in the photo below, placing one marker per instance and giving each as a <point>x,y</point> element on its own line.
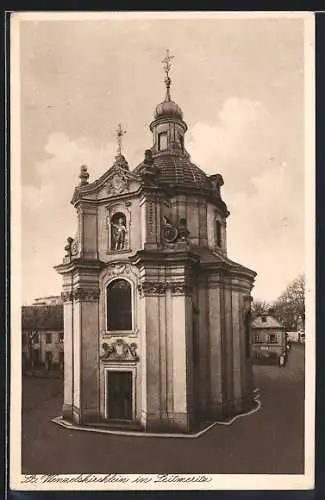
<point>167,62</point>
<point>119,134</point>
<point>167,67</point>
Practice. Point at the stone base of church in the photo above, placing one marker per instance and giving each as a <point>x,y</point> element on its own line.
<point>67,411</point>
<point>137,430</point>
<point>169,424</point>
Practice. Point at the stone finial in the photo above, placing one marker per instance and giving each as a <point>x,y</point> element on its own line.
<point>84,176</point>
<point>149,171</point>
<point>148,157</point>
<point>217,182</point>
<point>67,248</point>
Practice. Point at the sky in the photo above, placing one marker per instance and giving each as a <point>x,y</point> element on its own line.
<point>240,84</point>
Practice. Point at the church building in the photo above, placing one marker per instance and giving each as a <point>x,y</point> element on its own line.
<point>156,316</point>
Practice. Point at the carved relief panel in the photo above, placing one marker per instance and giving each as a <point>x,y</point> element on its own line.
<point>119,350</point>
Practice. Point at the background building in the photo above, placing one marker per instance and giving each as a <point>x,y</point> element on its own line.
<point>42,337</point>
<point>51,300</point>
<point>269,339</point>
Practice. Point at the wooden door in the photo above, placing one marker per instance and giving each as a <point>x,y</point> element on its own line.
<point>119,395</point>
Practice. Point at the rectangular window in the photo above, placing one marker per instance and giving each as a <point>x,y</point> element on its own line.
<point>48,338</point>
<point>162,141</point>
<point>257,339</point>
<point>218,233</point>
<point>272,338</point>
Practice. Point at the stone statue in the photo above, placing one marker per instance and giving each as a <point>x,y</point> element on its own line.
<point>183,232</point>
<point>118,235</point>
<point>67,248</point>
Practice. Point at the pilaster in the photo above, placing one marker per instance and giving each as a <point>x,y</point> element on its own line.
<point>183,384</point>
<point>87,214</point>
<point>215,350</point>
<point>229,384</point>
<point>151,214</point>
<point>67,410</point>
<point>151,410</point>
<point>237,350</point>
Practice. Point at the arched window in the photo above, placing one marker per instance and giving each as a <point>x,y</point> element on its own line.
<point>218,233</point>
<point>119,305</point>
<point>118,231</point>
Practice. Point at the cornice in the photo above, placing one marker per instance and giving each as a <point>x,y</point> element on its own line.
<point>76,264</point>
<point>164,256</point>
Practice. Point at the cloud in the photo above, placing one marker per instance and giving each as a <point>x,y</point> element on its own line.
<point>239,144</point>
<point>48,218</point>
<point>264,193</point>
<point>266,232</point>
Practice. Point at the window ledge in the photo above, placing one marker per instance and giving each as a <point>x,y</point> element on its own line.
<point>111,252</point>
<point>119,333</point>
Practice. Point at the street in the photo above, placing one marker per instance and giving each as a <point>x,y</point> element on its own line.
<point>270,441</point>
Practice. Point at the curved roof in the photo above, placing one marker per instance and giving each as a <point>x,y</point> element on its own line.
<point>178,170</point>
<point>168,108</point>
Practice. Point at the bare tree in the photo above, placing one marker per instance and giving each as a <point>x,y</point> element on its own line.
<point>259,307</point>
<point>290,306</point>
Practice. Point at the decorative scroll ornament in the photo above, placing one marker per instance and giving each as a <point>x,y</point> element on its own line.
<point>169,232</point>
<point>117,269</point>
<point>148,288</point>
<point>118,183</point>
<point>120,351</point>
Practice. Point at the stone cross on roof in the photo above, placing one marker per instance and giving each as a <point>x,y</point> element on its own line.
<point>119,135</point>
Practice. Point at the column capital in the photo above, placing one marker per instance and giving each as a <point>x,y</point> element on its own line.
<point>81,294</point>
<point>152,288</point>
<point>181,288</point>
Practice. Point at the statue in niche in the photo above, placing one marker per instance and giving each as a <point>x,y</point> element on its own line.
<point>118,232</point>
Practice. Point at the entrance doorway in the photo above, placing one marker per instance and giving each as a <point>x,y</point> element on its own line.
<point>119,395</point>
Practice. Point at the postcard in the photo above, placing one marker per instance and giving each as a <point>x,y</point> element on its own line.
<point>162,250</point>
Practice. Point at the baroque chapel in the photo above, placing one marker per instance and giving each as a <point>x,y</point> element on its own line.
<point>156,316</point>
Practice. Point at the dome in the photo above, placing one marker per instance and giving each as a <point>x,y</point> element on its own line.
<point>177,170</point>
<point>168,108</point>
